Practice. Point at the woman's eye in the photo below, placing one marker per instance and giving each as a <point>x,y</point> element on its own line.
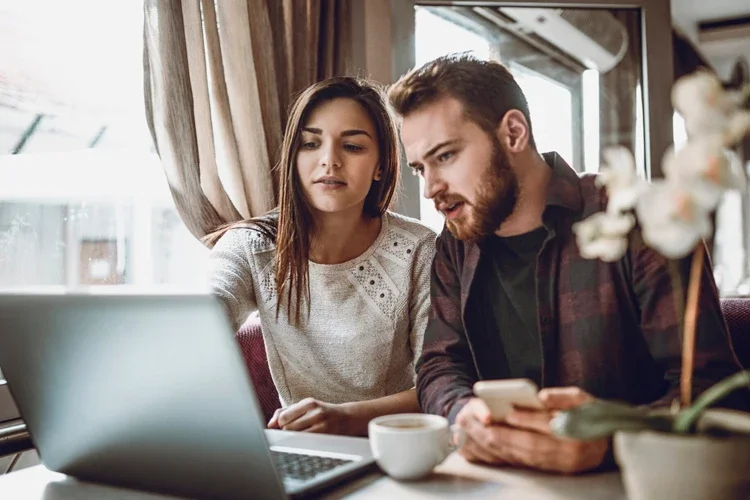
<point>309,145</point>
<point>354,148</point>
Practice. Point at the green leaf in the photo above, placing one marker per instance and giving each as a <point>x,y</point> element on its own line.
<point>600,419</point>
<point>686,419</point>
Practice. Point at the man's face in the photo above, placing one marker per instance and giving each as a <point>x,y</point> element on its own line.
<point>466,171</point>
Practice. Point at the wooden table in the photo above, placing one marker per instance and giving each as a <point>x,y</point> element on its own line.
<point>455,479</point>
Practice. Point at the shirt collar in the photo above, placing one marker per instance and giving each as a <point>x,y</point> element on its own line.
<point>564,188</point>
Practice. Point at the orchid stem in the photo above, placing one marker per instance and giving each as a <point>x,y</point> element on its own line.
<point>691,315</point>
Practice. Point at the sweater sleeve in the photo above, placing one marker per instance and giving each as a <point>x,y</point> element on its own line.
<point>230,275</point>
<point>419,300</point>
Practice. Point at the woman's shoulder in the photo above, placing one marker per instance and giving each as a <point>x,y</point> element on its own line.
<point>254,235</point>
<point>407,239</point>
<point>410,225</point>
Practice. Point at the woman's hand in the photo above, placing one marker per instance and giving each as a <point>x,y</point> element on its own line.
<point>311,415</point>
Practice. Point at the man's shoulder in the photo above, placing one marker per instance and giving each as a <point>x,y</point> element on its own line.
<point>593,196</point>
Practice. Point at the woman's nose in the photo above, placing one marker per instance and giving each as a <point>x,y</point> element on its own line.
<point>330,157</point>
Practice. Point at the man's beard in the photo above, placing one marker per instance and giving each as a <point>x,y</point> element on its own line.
<point>495,200</point>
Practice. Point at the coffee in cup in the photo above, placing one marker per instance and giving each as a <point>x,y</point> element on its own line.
<point>409,445</point>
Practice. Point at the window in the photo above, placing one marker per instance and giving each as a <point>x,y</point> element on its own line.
<point>551,103</point>
<point>84,200</point>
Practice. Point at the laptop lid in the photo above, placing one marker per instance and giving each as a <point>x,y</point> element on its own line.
<point>146,392</point>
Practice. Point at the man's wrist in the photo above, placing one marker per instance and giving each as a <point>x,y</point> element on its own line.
<point>456,408</point>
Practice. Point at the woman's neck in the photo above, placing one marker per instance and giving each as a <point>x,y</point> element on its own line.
<point>342,237</point>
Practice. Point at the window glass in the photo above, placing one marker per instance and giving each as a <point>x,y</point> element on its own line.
<point>550,102</point>
<point>84,201</point>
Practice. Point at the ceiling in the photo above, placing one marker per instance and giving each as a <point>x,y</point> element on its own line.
<point>68,83</point>
<point>687,14</point>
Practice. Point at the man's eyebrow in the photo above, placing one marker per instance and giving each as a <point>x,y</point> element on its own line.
<point>434,150</point>
<point>345,133</point>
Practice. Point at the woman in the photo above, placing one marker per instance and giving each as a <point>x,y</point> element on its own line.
<point>341,284</point>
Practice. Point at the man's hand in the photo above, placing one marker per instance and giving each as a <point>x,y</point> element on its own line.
<point>311,415</point>
<point>525,438</point>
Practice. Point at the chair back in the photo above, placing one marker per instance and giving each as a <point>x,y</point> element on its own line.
<point>250,339</point>
<point>737,315</point>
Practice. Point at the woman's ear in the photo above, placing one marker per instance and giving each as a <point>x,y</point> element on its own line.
<point>378,174</point>
<point>513,131</point>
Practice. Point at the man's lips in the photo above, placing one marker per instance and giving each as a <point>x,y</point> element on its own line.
<point>452,210</point>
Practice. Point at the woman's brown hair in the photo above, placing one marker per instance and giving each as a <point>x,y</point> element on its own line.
<point>291,225</point>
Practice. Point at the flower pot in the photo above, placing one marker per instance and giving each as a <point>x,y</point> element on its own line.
<point>658,466</point>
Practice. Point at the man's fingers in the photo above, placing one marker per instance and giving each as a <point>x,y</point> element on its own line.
<point>483,442</point>
<point>547,452</point>
<point>474,409</point>
<point>563,398</point>
<point>531,420</point>
<point>474,452</point>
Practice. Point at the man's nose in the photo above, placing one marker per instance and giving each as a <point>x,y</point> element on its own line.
<point>433,184</point>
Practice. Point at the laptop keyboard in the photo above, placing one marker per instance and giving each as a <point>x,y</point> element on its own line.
<point>303,467</point>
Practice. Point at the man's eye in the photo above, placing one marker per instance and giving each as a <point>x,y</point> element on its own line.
<point>445,156</point>
<point>417,171</point>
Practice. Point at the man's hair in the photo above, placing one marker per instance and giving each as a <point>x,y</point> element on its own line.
<point>486,90</point>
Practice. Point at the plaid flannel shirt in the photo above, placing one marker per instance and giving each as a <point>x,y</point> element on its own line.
<point>612,329</point>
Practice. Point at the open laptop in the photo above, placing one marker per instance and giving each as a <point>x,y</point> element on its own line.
<point>151,392</point>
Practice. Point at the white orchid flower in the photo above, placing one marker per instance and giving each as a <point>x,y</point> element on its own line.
<point>705,167</point>
<point>672,220</point>
<point>737,127</point>
<point>707,108</point>
<point>618,175</point>
<point>604,235</point>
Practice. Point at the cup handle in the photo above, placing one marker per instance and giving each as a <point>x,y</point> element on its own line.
<point>458,437</point>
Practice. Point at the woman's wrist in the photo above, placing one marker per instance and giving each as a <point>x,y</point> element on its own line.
<point>357,416</point>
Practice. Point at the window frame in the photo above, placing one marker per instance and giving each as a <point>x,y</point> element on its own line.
<point>8,409</point>
<point>383,46</point>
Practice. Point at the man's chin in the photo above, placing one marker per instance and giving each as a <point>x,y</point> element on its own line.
<point>462,231</point>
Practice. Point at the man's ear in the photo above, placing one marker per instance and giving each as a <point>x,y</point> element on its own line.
<point>513,131</point>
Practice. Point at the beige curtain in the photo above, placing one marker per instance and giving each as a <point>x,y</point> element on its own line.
<point>219,76</point>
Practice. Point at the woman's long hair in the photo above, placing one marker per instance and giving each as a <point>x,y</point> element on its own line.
<point>293,230</point>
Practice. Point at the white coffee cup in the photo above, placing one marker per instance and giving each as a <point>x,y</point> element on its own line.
<point>410,445</point>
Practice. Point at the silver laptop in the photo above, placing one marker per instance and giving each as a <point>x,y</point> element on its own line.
<point>151,393</point>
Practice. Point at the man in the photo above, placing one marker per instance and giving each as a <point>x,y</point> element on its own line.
<point>511,295</point>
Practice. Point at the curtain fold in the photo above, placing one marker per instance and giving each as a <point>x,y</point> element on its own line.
<point>218,77</point>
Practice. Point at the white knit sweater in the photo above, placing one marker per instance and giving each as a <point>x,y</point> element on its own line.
<point>367,316</point>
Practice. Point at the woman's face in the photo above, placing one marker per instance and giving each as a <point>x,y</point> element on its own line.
<point>338,157</point>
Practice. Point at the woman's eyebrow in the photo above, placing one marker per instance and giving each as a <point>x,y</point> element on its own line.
<point>345,133</point>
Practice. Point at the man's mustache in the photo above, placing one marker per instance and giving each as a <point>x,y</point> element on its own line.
<point>448,200</point>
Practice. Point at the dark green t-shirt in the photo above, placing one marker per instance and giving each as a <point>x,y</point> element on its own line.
<point>508,345</point>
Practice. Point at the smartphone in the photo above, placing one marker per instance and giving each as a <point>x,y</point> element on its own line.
<point>502,396</point>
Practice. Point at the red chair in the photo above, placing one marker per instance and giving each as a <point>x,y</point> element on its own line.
<point>250,339</point>
<point>737,315</point>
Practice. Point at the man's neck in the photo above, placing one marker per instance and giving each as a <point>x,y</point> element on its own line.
<point>533,176</point>
<point>342,236</point>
